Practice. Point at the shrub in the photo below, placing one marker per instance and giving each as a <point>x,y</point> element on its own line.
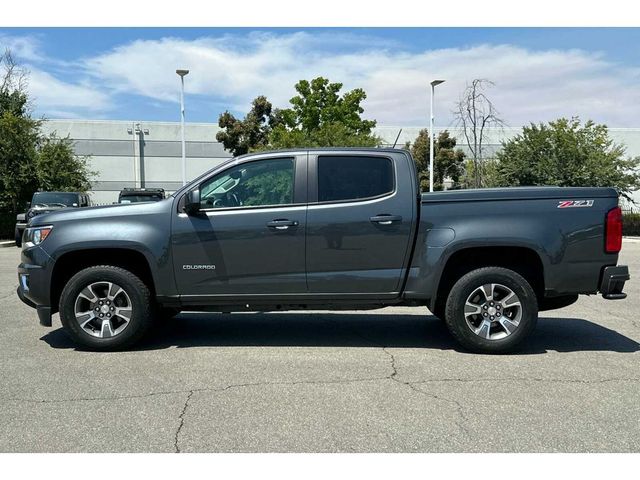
<point>631,224</point>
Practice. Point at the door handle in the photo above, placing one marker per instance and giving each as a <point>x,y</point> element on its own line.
<point>282,224</point>
<point>385,219</point>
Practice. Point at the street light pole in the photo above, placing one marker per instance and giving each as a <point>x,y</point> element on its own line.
<point>432,140</point>
<point>182,73</point>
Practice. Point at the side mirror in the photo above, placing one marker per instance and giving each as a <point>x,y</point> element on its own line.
<point>192,202</point>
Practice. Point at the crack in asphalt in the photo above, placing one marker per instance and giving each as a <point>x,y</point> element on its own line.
<point>181,424</point>
<point>459,408</point>
<point>194,390</point>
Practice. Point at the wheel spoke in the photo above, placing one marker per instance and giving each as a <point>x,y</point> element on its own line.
<point>484,330</point>
<point>510,301</point>
<point>488,290</point>
<point>85,317</point>
<point>124,313</point>
<point>508,325</point>
<point>114,291</point>
<point>106,331</point>
<point>471,309</point>
<point>88,294</point>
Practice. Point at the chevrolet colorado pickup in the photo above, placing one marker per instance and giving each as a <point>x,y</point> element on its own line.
<point>324,229</point>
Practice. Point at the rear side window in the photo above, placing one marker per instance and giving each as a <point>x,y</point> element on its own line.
<point>343,178</point>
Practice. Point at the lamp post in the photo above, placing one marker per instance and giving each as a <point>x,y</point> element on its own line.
<point>182,73</point>
<point>432,140</point>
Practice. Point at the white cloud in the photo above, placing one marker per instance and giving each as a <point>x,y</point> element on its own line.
<point>59,98</point>
<point>52,95</point>
<point>24,48</point>
<point>531,85</point>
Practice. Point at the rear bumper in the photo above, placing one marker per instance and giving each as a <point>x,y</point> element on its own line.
<point>613,279</point>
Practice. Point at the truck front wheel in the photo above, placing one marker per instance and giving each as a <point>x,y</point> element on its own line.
<point>491,310</point>
<point>105,308</point>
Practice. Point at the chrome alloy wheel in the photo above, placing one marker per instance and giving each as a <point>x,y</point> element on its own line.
<point>103,309</point>
<point>493,311</point>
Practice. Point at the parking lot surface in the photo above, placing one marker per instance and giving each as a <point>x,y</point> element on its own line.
<point>389,380</point>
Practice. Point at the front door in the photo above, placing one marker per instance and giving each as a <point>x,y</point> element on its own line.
<point>247,241</point>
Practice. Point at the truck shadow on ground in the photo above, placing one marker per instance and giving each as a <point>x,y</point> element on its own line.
<point>355,330</point>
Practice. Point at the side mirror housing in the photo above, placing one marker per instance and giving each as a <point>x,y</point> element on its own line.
<point>192,202</point>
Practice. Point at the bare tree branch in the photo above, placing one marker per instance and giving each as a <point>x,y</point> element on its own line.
<point>474,114</point>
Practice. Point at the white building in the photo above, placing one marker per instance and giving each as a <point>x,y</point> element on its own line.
<point>148,154</point>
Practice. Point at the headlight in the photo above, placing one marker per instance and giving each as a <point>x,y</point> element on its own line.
<point>35,235</point>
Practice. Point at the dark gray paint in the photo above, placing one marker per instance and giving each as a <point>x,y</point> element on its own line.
<point>335,257</point>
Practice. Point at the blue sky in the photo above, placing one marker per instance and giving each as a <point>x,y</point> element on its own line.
<point>128,73</point>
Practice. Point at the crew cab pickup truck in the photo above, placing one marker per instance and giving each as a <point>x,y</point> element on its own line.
<point>324,229</point>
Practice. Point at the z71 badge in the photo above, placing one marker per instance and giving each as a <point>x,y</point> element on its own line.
<point>575,203</point>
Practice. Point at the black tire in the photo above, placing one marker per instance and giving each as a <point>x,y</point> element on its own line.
<point>466,285</point>
<point>141,306</point>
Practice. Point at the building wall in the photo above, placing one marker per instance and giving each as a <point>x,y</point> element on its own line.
<point>148,154</point>
<point>140,154</point>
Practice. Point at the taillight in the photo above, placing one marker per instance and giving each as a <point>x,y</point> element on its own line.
<point>613,231</point>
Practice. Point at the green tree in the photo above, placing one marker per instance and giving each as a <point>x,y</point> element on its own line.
<point>567,153</point>
<point>18,154</point>
<point>447,162</point>
<point>241,136</point>
<point>319,116</point>
<point>59,169</point>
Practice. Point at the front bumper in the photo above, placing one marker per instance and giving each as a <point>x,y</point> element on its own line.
<point>34,280</point>
<point>613,279</point>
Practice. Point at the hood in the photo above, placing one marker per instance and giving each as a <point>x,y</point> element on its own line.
<point>39,210</point>
<point>103,211</point>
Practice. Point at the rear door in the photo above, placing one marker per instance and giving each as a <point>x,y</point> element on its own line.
<point>359,222</point>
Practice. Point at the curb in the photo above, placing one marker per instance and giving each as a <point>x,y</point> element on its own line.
<point>631,239</point>
<point>7,243</point>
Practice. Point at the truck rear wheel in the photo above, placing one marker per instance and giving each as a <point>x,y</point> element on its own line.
<point>105,308</point>
<point>491,310</point>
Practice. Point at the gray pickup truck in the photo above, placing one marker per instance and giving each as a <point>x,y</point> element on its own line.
<point>324,229</point>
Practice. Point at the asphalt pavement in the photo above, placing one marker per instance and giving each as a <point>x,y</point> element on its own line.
<point>390,380</point>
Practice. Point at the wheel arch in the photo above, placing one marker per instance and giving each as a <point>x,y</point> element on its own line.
<point>522,260</point>
<point>70,263</point>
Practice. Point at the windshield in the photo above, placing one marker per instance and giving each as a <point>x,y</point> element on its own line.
<point>140,198</point>
<point>60,198</point>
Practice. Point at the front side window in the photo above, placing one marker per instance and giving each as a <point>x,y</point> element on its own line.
<point>253,184</point>
<point>343,178</point>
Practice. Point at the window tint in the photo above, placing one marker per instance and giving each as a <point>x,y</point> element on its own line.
<point>351,178</point>
<point>264,182</point>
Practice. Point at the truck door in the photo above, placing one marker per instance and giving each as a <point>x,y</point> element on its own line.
<point>247,240</point>
<point>359,222</point>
